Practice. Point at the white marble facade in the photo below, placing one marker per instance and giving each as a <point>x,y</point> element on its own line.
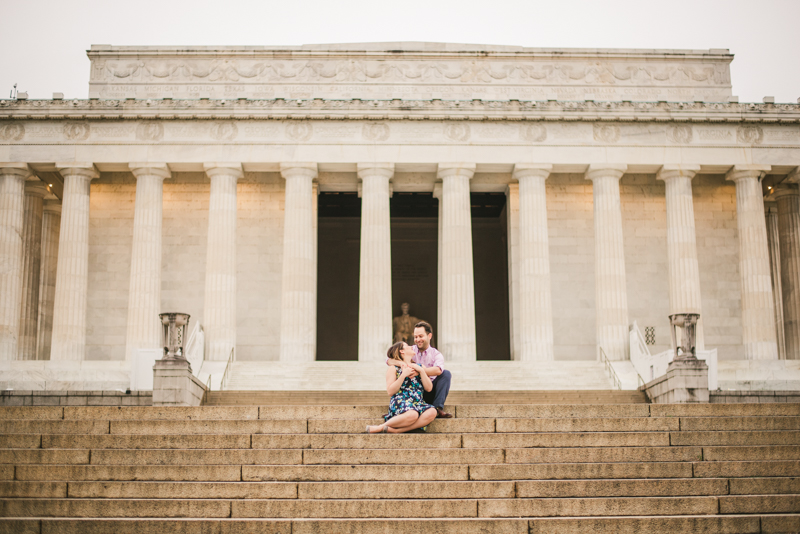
<point>187,182</point>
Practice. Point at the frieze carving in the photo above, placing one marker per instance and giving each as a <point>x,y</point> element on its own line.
<point>77,131</point>
<point>750,134</point>
<point>12,131</point>
<point>224,130</point>
<point>606,133</point>
<point>457,131</point>
<point>150,131</point>
<point>680,133</point>
<point>376,131</point>
<point>299,130</point>
<point>160,71</point>
<point>535,133</point>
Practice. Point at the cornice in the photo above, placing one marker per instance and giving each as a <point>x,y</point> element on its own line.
<point>357,109</point>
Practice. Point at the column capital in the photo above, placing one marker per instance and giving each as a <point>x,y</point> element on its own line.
<point>223,169</point>
<point>150,169</point>
<point>52,206</point>
<point>20,169</point>
<point>466,170</point>
<point>78,169</point>
<point>524,170</point>
<point>741,172</point>
<point>602,170</point>
<point>290,170</point>
<point>677,171</point>
<point>371,169</point>
<point>783,191</point>
<point>36,189</point>
<point>793,177</point>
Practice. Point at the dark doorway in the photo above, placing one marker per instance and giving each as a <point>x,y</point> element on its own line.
<point>338,252</point>
<point>490,268</point>
<point>415,250</point>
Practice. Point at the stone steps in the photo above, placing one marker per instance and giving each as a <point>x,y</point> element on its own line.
<point>504,467</point>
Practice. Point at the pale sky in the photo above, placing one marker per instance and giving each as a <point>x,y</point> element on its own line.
<point>43,42</point>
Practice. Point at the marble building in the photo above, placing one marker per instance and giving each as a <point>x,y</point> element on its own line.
<point>532,204</point>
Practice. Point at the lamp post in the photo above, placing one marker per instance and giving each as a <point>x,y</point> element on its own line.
<point>688,324</point>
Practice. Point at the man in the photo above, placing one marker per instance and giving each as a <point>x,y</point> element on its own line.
<point>433,362</point>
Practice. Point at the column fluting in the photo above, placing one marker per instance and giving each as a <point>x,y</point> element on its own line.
<point>72,273</point>
<point>611,294</point>
<point>298,287</point>
<point>35,191</point>
<point>144,297</point>
<point>535,301</point>
<point>788,198</point>
<point>375,277</point>
<point>457,329</point>
<point>437,194</point>
<point>758,314</point>
<point>12,200</point>
<point>512,216</point>
<point>51,228</point>
<point>219,309</point>
<point>771,214</point>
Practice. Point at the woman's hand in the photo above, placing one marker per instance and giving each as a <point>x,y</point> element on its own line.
<point>407,370</point>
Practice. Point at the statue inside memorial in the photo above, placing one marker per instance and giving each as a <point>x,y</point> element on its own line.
<point>403,326</point>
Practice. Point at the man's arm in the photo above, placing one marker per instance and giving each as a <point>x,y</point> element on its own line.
<point>433,371</point>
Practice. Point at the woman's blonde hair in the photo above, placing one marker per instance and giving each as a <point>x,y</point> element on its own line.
<point>395,351</point>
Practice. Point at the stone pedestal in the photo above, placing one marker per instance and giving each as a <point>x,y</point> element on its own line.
<point>144,298</point>
<point>611,293</point>
<point>686,382</point>
<point>72,274</point>
<point>51,227</point>
<point>175,385</point>
<point>457,326</point>
<point>12,194</point>
<point>758,313</point>
<point>299,286</point>
<point>535,302</point>
<point>788,198</point>
<point>375,282</point>
<point>219,311</point>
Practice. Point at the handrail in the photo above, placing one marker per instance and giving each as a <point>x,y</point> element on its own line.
<point>205,393</point>
<point>224,382</point>
<point>610,369</point>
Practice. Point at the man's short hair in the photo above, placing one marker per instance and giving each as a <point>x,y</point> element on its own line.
<point>426,326</point>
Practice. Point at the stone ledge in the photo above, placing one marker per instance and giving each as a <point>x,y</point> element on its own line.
<point>75,398</point>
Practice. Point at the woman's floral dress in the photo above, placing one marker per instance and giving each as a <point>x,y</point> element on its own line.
<point>408,397</point>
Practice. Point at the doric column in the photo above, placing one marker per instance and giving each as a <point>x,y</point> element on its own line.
<point>12,195</point>
<point>375,282</point>
<point>35,192</point>
<point>512,218</point>
<point>72,273</point>
<point>457,327</point>
<point>51,228</point>
<point>788,198</point>
<point>773,242</point>
<point>683,268</point>
<point>144,297</point>
<point>219,311</point>
<point>535,304</point>
<point>611,296</point>
<point>758,314</point>
<point>298,287</point>
<point>437,194</point>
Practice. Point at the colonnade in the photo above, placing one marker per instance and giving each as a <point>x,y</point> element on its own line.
<point>46,266</point>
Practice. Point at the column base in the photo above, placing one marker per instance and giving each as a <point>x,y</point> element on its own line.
<point>175,385</point>
<point>686,382</point>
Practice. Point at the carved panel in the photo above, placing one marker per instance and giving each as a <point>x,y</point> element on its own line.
<point>224,130</point>
<point>680,133</point>
<point>750,134</point>
<point>299,130</point>
<point>12,131</point>
<point>606,133</point>
<point>150,131</point>
<point>457,131</point>
<point>535,133</point>
<point>376,131</point>
<point>76,131</point>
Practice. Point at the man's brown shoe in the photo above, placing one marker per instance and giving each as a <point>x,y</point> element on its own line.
<point>443,414</point>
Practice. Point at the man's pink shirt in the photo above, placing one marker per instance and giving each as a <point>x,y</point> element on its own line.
<point>430,357</point>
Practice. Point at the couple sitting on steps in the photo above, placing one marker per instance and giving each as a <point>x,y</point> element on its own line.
<point>418,383</point>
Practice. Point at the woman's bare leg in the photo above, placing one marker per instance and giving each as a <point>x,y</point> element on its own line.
<point>404,419</point>
<point>424,419</point>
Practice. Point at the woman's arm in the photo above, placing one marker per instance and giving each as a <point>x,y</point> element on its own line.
<point>393,384</point>
<point>423,375</point>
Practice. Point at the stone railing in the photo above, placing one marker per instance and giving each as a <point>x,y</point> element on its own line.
<point>195,348</point>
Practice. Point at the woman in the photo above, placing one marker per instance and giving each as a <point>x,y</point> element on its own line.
<point>407,410</point>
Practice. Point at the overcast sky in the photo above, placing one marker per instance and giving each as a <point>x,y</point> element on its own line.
<point>43,42</point>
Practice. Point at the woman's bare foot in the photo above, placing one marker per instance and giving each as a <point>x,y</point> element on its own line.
<point>376,429</point>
